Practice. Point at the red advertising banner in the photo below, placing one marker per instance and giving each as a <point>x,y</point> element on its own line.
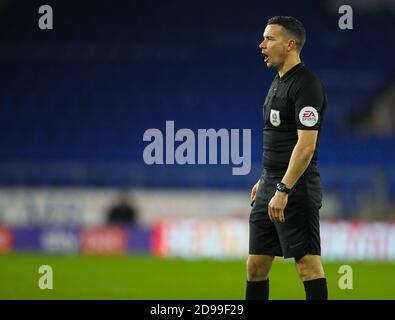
<point>215,238</point>
<point>228,238</point>
<point>104,240</point>
<point>6,242</point>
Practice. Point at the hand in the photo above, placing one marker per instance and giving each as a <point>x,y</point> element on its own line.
<point>253,192</point>
<point>277,205</point>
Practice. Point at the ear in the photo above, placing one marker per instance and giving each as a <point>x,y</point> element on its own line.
<point>291,45</point>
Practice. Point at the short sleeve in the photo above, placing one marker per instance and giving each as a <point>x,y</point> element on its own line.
<point>309,102</point>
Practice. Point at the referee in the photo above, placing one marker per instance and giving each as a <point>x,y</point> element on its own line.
<point>284,219</point>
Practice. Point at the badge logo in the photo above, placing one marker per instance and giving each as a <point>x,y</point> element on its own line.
<point>308,116</point>
<point>275,117</point>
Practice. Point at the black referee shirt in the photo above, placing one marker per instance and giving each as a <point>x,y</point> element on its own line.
<point>296,101</point>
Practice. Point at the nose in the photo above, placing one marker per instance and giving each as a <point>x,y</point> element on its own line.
<point>262,45</point>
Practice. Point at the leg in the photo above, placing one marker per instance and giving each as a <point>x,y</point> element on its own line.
<point>258,268</point>
<point>311,272</point>
<point>263,245</point>
<point>310,267</point>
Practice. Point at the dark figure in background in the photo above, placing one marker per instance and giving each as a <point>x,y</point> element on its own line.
<point>123,212</point>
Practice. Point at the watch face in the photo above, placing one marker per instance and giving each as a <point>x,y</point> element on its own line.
<point>281,187</point>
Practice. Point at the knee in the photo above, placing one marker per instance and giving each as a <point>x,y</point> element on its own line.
<point>309,270</point>
<point>255,270</point>
<point>258,268</point>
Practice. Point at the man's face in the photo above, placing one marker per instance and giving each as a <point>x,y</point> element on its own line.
<point>274,46</point>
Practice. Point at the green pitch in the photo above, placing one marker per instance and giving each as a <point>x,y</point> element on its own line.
<point>131,277</point>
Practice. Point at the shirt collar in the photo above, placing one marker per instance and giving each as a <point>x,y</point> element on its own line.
<point>290,72</point>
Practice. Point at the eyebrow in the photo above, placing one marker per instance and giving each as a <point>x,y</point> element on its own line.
<point>268,37</point>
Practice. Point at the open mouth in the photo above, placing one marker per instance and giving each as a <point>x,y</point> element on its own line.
<point>265,57</point>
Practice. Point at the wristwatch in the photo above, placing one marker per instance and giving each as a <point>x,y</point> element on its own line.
<point>282,188</point>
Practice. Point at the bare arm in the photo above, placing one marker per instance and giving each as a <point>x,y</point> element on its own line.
<point>300,159</point>
<point>301,156</point>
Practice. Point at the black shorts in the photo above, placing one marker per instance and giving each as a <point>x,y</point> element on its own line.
<point>300,233</point>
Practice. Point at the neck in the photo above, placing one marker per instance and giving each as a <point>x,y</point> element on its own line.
<point>288,64</point>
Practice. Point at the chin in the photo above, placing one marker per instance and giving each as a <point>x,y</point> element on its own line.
<point>272,65</point>
<point>269,65</point>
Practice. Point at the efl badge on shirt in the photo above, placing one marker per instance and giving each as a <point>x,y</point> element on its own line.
<point>308,116</point>
<point>275,117</point>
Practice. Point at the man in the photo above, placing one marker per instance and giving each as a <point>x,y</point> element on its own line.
<point>123,212</point>
<point>284,220</point>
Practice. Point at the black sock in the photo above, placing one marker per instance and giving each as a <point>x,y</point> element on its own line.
<point>257,290</point>
<point>316,289</point>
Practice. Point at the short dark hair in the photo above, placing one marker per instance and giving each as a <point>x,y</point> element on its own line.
<point>293,26</point>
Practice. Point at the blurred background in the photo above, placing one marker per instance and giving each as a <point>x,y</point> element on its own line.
<point>76,100</point>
